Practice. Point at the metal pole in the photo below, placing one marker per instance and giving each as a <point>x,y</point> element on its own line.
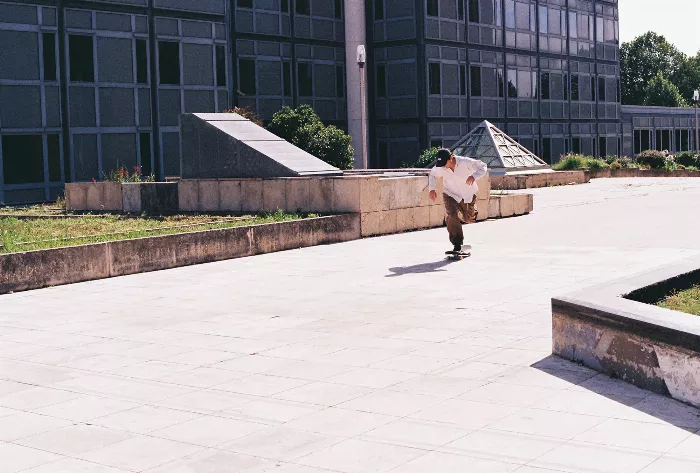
<point>363,91</point>
<point>697,134</point>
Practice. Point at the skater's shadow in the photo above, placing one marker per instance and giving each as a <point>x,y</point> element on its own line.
<point>437,266</point>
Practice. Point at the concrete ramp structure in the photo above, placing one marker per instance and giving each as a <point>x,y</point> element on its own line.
<point>226,145</point>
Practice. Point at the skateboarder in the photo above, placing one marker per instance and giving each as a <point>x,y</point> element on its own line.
<point>459,177</point>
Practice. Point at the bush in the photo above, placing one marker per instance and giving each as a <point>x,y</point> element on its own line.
<point>578,161</point>
<point>425,159</point>
<point>569,162</point>
<point>303,128</point>
<point>122,174</point>
<point>686,158</point>
<point>616,165</point>
<point>652,159</point>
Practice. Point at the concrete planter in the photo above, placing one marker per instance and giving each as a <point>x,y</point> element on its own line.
<point>633,172</point>
<point>148,197</point>
<point>653,348</point>
<point>539,179</point>
<point>43,268</point>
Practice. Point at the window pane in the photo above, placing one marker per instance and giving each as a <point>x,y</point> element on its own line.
<point>54,154</point>
<point>574,87</point>
<point>434,78</point>
<point>573,28</point>
<point>338,9</point>
<point>246,74</point>
<point>463,80</point>
<point>49,56</point>
<point>432,7</point>
<point>141,62</point>
<point>510,13</point>
<point>474,11</point>
<point>305,78</point>
<point>340,81</point>
<point>460,9</point>
<point>524,84</point>
<point>245,3</point>
<point>146,155</point>
<point>82,65</point>
<point>381,81</point>
<point>475,81</point>
<point>512,83</point>
<point>522,16</point>
<point>23,159</point>
<point>576,145</point>
<point>601,89</point>
<point>637,141</point>
<point>544,20</point>
<point>646,140</point>
<point>287,78</point>
<point>169,62</point>
<point>544,87</point>
<point>303,7</point>
<point>602,147</point>
<point>220,65</point>
<point>284,6</point>
<point>378,9</point>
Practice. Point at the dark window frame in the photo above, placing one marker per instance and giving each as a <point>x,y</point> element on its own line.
<point>305,86</point>
<point>49,56</point>
<point>381,81</point>
<point>169,71</point>
<point>247,76</point>
<point>81,65</point>
<point>475,81</point>
<point>434,78</point>
<point>432,8</point>
<point>141,50</point>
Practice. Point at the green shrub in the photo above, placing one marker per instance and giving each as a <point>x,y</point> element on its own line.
<point>304,129</point>
<point>595,164</point>
<point>569,162</point>
<point>670,165</point>
<point>616,165</point>
<point>122,174</point>
<point>578,161</point>
<point>686,158</point>
<point>652,159</point>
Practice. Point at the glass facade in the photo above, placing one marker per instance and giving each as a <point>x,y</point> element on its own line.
<point>91,85</point>
<point>545,71</point>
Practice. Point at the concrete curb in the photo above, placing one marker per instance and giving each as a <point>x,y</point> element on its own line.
<point>653,348</point>
<point>54,267</point>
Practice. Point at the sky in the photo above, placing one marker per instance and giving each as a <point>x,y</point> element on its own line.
<point>677,20</point>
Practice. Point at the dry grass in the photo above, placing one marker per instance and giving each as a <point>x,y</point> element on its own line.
<point>687,301</point>
<point>23,234</point>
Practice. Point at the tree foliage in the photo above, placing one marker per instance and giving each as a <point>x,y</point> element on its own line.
<point>661,92</point>
<point>641,62</point>
<point>304,129</point>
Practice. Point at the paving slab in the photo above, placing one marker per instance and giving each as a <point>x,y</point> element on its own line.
<point>373,355</point>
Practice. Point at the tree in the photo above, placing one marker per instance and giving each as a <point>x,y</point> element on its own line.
<point>304,129</point>
<point>687,78</point>
<point>640,62</point>
<point>661,92</point>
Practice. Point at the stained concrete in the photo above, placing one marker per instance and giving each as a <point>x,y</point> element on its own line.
<point>366,356</point>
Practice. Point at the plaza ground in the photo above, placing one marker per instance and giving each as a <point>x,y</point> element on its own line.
<point>369,356</point>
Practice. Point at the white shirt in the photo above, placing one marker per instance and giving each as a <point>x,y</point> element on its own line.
<point>454,183</point>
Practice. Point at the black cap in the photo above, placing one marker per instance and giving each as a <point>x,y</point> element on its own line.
<point>443,155</point>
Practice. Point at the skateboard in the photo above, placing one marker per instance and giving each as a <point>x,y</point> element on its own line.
<point>460,255</point>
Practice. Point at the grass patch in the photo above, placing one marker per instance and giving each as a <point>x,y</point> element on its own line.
<point>577,161</point>
<point>21,234</point>
<point>687,301</point>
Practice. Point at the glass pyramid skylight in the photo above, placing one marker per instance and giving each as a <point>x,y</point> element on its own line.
<point>498,150</point>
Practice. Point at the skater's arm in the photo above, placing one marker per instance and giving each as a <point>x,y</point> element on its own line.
<point>432,183</point>
<point>479,168</point>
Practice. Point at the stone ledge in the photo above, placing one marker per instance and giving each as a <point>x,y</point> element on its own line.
<point>622,173</point>
<point>654,348</point>
<point>58,266</point>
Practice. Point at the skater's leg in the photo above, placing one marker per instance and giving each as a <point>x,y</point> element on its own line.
<point>454,224</point>
<point>470,211</point>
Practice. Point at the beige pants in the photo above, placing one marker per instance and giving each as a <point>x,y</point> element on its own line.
<point>453,220</point>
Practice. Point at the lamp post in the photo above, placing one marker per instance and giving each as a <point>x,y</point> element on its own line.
<point>361,60</point>
<point>696,100</point>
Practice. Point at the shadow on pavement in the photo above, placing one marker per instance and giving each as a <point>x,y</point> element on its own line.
<point>661,407</point>
<point>434,267</point>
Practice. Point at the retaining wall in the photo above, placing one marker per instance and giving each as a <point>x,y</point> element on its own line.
<point>603,173</point>
<point>42,268</point>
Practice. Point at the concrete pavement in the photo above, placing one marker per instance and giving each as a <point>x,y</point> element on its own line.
<point>370,356</point>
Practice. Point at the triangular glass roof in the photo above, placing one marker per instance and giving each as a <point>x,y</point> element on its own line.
<point>496,149</point>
